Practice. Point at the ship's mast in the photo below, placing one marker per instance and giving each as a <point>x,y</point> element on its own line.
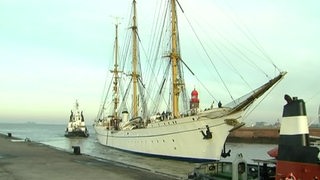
<point>116,76</point>
<point>175,57</point>
<point>134,61</point>
<point>76,105</point>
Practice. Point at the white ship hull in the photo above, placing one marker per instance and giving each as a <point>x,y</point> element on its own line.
<point>177,138</point>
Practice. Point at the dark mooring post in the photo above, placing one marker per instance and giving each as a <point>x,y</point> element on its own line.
<point>76,150</point>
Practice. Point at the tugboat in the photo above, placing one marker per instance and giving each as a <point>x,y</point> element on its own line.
<point>76,126</point>
<point>294,158</point>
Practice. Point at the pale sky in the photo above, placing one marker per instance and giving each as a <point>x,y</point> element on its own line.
<point>53,52</point>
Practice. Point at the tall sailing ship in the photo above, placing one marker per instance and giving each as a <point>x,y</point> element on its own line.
<point>182,131</point>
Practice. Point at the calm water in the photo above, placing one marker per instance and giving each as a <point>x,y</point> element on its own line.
<point>53,135</point>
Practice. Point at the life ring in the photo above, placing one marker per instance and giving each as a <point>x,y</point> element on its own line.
<point>212,168</point>
<point>290,176</point>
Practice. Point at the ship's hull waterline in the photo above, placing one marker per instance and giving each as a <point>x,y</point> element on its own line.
<point>177,138</point>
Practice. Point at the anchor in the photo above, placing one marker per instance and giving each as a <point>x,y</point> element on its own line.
<point>208,134</point>
<point>225,154</point>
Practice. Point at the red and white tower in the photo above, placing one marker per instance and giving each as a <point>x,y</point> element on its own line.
<point>194,102</point>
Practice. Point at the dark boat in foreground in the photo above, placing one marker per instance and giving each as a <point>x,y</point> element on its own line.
<point>296,157</point>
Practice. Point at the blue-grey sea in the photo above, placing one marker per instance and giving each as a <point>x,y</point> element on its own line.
<point>53,135</point>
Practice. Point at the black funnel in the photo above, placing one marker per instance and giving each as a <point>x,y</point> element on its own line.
<point>294,133</point>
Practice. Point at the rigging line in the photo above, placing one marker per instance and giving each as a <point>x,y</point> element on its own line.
<point>151,69</point>
<point>127,41</point>
<point>103,91</point>
<point>148,62</point>
<point>126,93</point>
<point>206,88</point>
<point>187,66</point>
<point>256,54</point>
<point>247,113</point>
<point>180,6</point>
<point>253,40</point>
<point>155,27</point>
<point>312,97</point>
<point>241,55</point>
<point>152,74</point>
<point>105,99</point>
<point>125,51</point>
<point>207,56</point>
<point>228,60</point>
<point>143,85</point>
<point>167,77</point>
<point>185,98</point>
<point>198,80</point>
<point>245,57</point>
<point>205,51</point>
<point>143,100</point>
<point>160,94</point>
<point>164,78</point>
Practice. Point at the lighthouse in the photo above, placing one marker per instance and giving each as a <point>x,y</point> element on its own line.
<point>194,101</point>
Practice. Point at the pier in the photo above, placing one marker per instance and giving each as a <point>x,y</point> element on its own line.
<point>20,159</point>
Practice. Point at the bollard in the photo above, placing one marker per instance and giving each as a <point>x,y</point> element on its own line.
<point>76,150</point>
<point>9,134</point>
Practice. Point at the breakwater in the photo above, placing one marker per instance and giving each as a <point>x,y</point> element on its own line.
<point>263,135</point>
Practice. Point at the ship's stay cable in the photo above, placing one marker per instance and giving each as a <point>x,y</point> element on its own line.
<point>243,56</point>
<point>184,90</point>
<point>151,81</point>
<point>127,45</point>
<point>313,96</point>
<point>247,113</point>
<point>227,60</point>
<point>102,101</point>
<point>211,61</point>
<point>123,102</point>
<point>161,90</point>
<point>185,98</point>
<point>229,63</point>
<point>151,59</point>
<point>251,39</point>
<point>157,66</point>
<point>245,30</point>
<point>105,99</point>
